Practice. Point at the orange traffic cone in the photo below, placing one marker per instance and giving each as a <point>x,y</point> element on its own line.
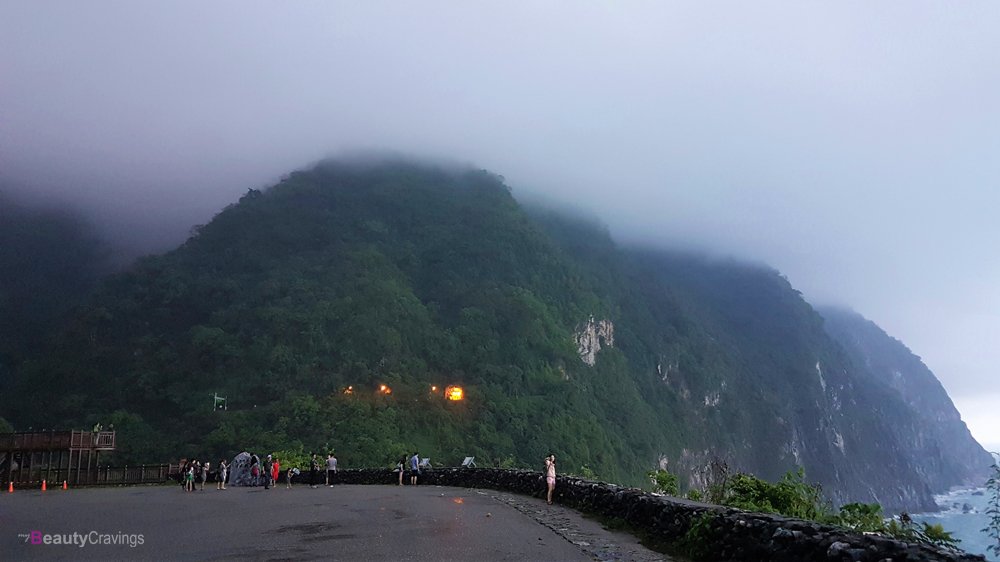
<point>43,486</point>
<point>64,485</point>
<point>10,489</point>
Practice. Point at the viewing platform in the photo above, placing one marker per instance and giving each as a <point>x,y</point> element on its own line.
<point>57,441</point>
<point>30,457</point>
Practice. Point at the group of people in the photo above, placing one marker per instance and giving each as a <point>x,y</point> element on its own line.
<point>262,472</point>
<point>265,472</point>
<point>194,474</point>
<point>315,465</point>
<point>414,468</point>
<point>414,471</point>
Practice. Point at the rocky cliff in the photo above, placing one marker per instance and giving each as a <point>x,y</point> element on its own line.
<point>923,417</point>
<point>590,336</point>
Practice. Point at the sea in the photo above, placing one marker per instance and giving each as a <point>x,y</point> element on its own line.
<point>963,514</point>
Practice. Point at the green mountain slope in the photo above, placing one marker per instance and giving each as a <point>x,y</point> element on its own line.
<point>410,276</point>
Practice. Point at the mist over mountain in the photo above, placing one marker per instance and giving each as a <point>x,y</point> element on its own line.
<point>50,258</point>
<point>618,358</point>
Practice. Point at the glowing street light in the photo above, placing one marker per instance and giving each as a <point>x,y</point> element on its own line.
<point>454,393</point>
<point>384,389</point>
<point>349,390</point>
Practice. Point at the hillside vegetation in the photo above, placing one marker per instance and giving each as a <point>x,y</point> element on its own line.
<point>412,276</point>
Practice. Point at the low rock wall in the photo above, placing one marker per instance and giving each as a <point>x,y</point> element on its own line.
<point>719,534</point>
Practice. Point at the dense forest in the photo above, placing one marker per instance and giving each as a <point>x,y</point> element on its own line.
<point>299,302</point>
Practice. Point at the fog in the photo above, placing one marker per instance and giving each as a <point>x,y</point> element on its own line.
<point>850,145</point>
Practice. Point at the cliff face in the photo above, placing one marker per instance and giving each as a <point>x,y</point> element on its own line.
<point>591,336</point>
<point>755,371</point>
<point>923,417</point>
<point>616,359</point>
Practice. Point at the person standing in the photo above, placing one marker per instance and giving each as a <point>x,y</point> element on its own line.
<point>254,469</point>
<point>203,475</point>
<point>268,466</point>
<point>550,475</point>
<point>414,468</point>
<point>313,469</point>
<point>331,468</point>
<point>401,468</point>
<point>275,471</point>
<point>223,470</point>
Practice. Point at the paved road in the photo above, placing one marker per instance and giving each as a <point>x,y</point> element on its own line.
<point>341,523</point>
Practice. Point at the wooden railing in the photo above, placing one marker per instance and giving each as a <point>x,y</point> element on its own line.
<point>57,440</point>
<point>142,474</point>
<point>96,476</point>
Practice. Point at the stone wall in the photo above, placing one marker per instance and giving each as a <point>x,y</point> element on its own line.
<point>723,534</point>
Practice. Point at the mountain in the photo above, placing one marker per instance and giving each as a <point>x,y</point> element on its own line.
<point>50,258</point>
<point>929,425</point>
<point>300,301</point>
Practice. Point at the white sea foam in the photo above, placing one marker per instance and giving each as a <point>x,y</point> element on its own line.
<point>963,514</point>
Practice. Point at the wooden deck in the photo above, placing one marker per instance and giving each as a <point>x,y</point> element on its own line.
<point>31,457</point>
<point>72,440</point>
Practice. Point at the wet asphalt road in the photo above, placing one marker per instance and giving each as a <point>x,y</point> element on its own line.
<point>341,523</point>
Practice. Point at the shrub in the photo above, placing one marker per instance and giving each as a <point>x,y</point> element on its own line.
<point>862,517</point>
<point>992,528</point>
<point>294,458</point>
<point>508,462</point>
<point>696,541</point>
<point>902,528</point>
<point>663,482</point>
<point>937,536</point>
<point>791,496</point>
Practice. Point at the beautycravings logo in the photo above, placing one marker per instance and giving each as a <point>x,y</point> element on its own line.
<point>93,538</point>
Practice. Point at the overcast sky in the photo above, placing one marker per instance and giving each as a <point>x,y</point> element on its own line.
<point>855,146</point>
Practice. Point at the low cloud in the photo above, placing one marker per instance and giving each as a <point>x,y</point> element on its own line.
<point>851,146</point>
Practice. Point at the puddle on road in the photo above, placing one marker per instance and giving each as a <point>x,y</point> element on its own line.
<point>321,538</point>
<point>307,528</point>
